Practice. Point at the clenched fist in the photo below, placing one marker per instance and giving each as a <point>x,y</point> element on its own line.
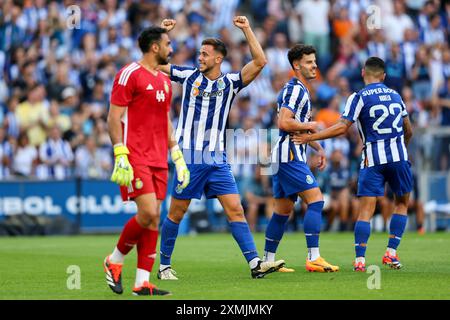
<point>168,24</point>
<point>241,22</point>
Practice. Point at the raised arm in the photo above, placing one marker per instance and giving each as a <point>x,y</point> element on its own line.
<point>254,67</point>
<point>167,24</point>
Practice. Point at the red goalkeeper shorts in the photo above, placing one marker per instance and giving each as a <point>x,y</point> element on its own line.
<point>146,180</point>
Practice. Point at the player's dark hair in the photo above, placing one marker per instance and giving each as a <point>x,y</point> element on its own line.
<point>217,44</point>
<point>374,65</point>
<point>298,51</point>
<point>148,36</point>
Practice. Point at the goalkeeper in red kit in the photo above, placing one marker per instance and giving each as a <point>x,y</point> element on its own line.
<point>141,132</point>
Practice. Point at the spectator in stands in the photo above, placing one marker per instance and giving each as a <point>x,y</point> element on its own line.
<point>6,154</point>
<point>91,161</point>
<point>396,24</point>
<point>56,156</point>
<point>420,75</point>
<point>25,157</point>
<point>33,115</point>
<point>277,55</point>
<point>314,15</point>
<point>395,69</point>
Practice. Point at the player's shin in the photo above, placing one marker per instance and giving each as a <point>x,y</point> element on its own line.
<point>274,234</point>
<point>241,233</point>
<point>169,233</point>
<point>396,229</point>
<point>146,249</point>
<point>312,225</point>
<point>362,234</point>
<point>129,237</point>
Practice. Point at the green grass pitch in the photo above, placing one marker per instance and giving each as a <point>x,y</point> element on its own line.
<point>212,267</point>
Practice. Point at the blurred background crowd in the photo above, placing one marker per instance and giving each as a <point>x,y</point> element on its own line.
<point>56,75</point>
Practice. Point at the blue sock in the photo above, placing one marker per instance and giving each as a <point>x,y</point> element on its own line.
<point>312,224</point>
<point>362,234</point>
<point>241,233</point>
<point>396,229</point>
<point>275,231</point>
<point>169,233</point>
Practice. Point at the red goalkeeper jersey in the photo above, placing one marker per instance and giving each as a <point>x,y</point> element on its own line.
<point>145,125</point>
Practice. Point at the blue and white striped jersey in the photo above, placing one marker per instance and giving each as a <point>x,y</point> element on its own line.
<point>378,112</point>
<point>295,97</point>
<point>204,112</point>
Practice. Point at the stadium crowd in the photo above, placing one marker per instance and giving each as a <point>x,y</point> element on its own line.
<point>56,74</point>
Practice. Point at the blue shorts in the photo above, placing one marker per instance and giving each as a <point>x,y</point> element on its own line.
<point>214,180</point>
<point>372,179</point>
<point>291,178</point>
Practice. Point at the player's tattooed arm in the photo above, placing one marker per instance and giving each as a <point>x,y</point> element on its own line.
<point>251,70</point>
<point>407,130</point>
<point>336,130</point>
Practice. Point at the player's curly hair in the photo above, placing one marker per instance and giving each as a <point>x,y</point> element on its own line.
<point>298,51</point>
<point>148,36</point>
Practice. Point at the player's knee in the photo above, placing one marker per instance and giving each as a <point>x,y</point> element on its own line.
<point>177,212</point>
<point>235,212</point>
<point>149,217</point>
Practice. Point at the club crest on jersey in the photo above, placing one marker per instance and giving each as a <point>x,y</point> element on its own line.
<point>197,83</point>
<point>195,91</point>
<point>138,184</point>
<point>166,87</point>
<point>220,84</point>
<point>309,179</point>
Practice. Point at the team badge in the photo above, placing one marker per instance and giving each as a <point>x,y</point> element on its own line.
<point>195,91</point>
<point>220,84</point>
<point>309,179</point>
<point>197,83</point>
<point>138,184</point>
<point>166,87</point>
<point>178,189</point>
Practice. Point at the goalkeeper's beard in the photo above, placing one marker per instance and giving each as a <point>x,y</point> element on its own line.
<point>163,61</point>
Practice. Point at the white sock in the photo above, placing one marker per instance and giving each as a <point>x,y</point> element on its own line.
<point>163,266</point>
<point>254,262</point>
<point>360,259</point>
<point>141,277</point>
<point>117,256</point>
<point>269,256</point>
<point>391,251</point>
<point>313,254</point>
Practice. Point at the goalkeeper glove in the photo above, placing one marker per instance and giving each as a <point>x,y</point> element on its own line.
<point>183,174</point>
<point>123,172</point>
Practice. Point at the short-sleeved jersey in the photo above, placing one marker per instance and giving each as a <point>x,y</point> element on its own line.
<point>295,97</point>
<point>204,112</point>
<point>379,112</point>
<point>146,97</point>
